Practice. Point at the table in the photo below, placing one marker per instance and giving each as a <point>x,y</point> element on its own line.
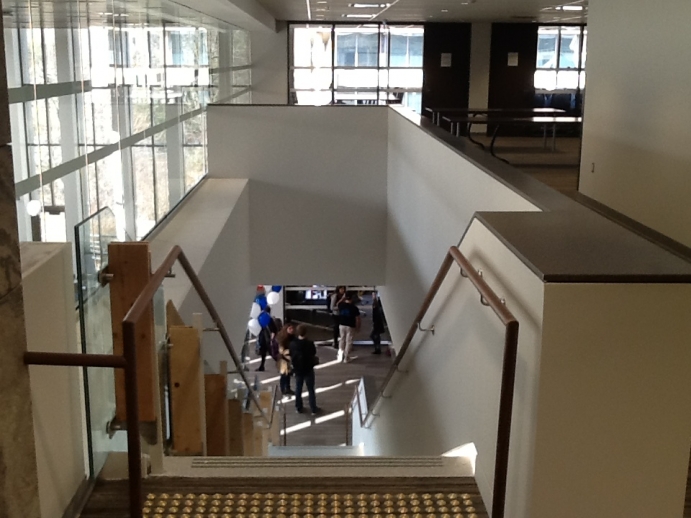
<point>437,112</point>
<point>456,120</point>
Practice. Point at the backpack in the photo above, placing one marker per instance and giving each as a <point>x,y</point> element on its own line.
<point>273,349</point>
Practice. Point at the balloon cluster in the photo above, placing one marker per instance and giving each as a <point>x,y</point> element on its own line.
<point>258,317</point>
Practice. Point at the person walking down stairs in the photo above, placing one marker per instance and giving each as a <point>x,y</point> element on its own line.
<point>303,354</point>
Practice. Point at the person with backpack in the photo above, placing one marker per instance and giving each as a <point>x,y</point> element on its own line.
<point>335,299</point>
<point>378,323</point>
<point>282,357</point>
<point>264,339</point>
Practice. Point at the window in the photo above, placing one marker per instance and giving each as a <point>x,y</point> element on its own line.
<point>374,64</point>
<point>561,52</point>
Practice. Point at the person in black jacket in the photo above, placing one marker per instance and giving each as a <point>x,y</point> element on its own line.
<point>378,325</point>
<point>303,355</point>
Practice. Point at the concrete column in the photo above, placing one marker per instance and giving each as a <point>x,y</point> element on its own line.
<point>176,171</point>
<point>18,472</point>
<point>69,122</point>
<point>225,49</point>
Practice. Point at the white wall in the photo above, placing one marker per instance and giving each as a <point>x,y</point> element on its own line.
<point>433,192</point>
<point>453,380</point>
<point>270,66</point>
<point>317,189</point>
<point>56,392</point>
<point>636,127</point>
<point>212,228</point>
<point>614,399</point>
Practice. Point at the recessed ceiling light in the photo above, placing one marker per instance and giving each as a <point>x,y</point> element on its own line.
<point>444,10</point>
<point>369,6</point>
<point>572,8</point>
<point>358,15</point>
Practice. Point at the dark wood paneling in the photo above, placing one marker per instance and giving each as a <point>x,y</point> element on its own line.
<point>446,86</point>
<point>512,87</point>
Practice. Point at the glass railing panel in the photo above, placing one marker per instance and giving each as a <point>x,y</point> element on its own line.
<point>92,237</point>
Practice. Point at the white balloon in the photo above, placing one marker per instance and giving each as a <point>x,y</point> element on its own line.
<point>254,326</point>
<point>272,298</point>
<point>256,309</point>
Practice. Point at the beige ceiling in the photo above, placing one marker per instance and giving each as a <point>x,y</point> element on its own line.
<point>428,10</point>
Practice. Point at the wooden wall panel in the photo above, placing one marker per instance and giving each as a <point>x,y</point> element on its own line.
<point>130,264</point>
<point>446,86</point>
<point>235,427</point>
<point>186,391</point>
<point>215,397</point>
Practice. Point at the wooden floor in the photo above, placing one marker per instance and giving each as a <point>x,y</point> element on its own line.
<point>335,383</point>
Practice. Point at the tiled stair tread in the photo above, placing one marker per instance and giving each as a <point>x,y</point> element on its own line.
<point>174,498</point>
<point>233,462</point>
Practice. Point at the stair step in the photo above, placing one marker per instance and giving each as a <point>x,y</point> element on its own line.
<point>315,451</point>
<point>346,467</point>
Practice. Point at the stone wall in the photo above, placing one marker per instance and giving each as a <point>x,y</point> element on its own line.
<point>18,479</point>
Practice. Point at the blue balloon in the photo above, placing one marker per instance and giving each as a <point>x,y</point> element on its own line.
<point>264,319</point>
<point>261,300</point>
<point>277,289</point>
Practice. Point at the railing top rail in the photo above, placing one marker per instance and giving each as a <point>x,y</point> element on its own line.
<point>454,255</point>
<point>147,295</point>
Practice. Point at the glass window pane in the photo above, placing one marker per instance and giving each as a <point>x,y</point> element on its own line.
<point>312,79</point>
<point>547,47</point>
<point>194,165</point>
<point>570,47</point>
<point>162,197</point>
<point>345,50</point>
<point>50,56</point>
<point>360,79</point>
<point>545,80</point>
<point>241,48</point>
<point>399,50</point>
<point>567,80</point>
<point>311,46</point>
<point>143,173</point>
<point>405,78</point>
<point>367,49</point>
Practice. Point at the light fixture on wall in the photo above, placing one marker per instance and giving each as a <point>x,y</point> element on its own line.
<point>369,6</point>
<point>33,208</point>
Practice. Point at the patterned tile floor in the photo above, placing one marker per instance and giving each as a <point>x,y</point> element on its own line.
<point>309,505</point>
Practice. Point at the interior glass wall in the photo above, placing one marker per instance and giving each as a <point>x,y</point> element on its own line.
<point>356,64</point>
<point>107,103</point>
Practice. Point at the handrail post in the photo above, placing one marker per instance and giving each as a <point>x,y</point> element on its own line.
<point>501,462</point>
<point>134,454</point>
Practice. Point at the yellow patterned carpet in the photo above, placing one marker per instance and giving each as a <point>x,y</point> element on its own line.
<point>309,505</point>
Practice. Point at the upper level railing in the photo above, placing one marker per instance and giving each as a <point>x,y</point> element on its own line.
<point>128,362</point>
<point>487,298</point>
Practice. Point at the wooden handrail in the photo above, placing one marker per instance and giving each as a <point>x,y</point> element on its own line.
<point>488,298</point>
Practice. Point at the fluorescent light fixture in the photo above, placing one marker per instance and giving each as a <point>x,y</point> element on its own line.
<point>358,15</point>
<point>572,8</point>
<point>369,6</point>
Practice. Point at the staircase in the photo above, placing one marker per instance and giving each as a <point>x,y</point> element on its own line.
<point>255,487</point>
